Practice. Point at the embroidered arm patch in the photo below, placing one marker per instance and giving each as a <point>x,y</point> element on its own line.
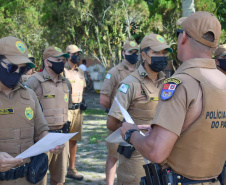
<point>169,87</point>
<point>108,76</point>
<point>124,88</point>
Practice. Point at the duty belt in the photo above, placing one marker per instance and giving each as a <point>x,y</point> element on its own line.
<point>184,180</point>
<point>14,173</point>
<point>75,106</point>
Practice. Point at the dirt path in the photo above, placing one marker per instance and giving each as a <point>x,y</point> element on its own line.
<point>92,152</point>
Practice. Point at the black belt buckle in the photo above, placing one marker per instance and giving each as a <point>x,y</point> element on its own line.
<point>2,176</point>
<point>75,106</point>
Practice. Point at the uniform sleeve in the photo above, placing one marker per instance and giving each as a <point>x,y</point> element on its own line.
<point>109,83</point>
<point>70,92</point>
<point>32,83</point>
<point>171,113</point>
<point>40,123</point>
<point>125,98</point>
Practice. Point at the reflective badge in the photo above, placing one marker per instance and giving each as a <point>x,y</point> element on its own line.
<point>108,76</point>
<point>58,49</point>
<point>20,46</point>
<point>66,97</point>
<point>72,81</point>
<point>124,88</point>
<point>169,88</point>
<point>132,43</point>
<point>29,113</point>
<point>160,38</point>
<point>47,77</point>
<point>6,111</point>
<point>75,47</point>
<point>50,96</point>
<point>154,99</point>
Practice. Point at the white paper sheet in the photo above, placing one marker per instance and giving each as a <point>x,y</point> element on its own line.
<point>115,137</point>
<point>50,141</point>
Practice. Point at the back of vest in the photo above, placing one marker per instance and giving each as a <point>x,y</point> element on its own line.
<point>17,122</point>
<point>143,111</point>
<point>200,151</point>
<point>77,82</point>
<point>54,102</point>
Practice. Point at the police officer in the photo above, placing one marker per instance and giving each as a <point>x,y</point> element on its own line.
<point>22,120</point>
<point>220,58</point>
<point>107,94</point>
<point>188,130</point>
<point>25,77</point>
<point>138,93</point>
<point>53,92</point>
<point>78,83</point>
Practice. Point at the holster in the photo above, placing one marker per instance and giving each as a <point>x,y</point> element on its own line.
<point>83,105</point>
<point>126,151</point>
<point>65,128</point>
<point>37,168</point>
<point>34,171</point>
<point>156,176</point>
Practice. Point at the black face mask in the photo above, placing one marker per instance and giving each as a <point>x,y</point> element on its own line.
<point>75,59</point>
<point>132,59</point>
<point>158,63</point>
<point>10,80</point>
<point>222,63</point>
<point>57,67</point>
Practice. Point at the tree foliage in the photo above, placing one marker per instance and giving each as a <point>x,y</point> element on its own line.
<point>99,27</point>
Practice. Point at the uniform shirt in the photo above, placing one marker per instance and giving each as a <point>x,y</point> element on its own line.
<point>35,84</point>
<point>133,93</point>
<point>184,107</point>
<point>113,78</point>
<point>40,124</point>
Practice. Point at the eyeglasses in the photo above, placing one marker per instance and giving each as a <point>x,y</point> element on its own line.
<point>12,68</point>
<point>181,31</point>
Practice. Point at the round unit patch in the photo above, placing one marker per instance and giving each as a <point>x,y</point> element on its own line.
<point>29,113</point>
<point>20,46</point>
<point>58,49</point>
<point>75,47</point>
<point>132,43</point>
<point>160,38</point>
<point>66,97</point>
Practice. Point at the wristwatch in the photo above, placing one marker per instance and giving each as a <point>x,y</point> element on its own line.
<point>128,135</point>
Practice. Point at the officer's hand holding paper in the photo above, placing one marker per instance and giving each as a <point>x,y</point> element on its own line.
<point>49,142</point>
<point>115,137</point>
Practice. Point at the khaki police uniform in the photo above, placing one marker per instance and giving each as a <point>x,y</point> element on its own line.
<point>78,83</point>
<point>197,116</point>
<point>138,94</point>
<point>21,121</point>
<point>55,99</point>
<point>109,88</point>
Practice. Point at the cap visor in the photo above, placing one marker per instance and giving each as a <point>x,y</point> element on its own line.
<point>20,60</point>
<point>162,47</point>
<point>133,49</point>
<point>66,55</point>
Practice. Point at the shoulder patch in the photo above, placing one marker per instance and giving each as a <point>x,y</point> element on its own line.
<point>108,76</point>
<point>124,88</point>
<point>143,74</point>
<point>169,87</point>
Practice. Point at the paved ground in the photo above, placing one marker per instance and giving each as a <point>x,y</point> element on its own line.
<point>92,152</point>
